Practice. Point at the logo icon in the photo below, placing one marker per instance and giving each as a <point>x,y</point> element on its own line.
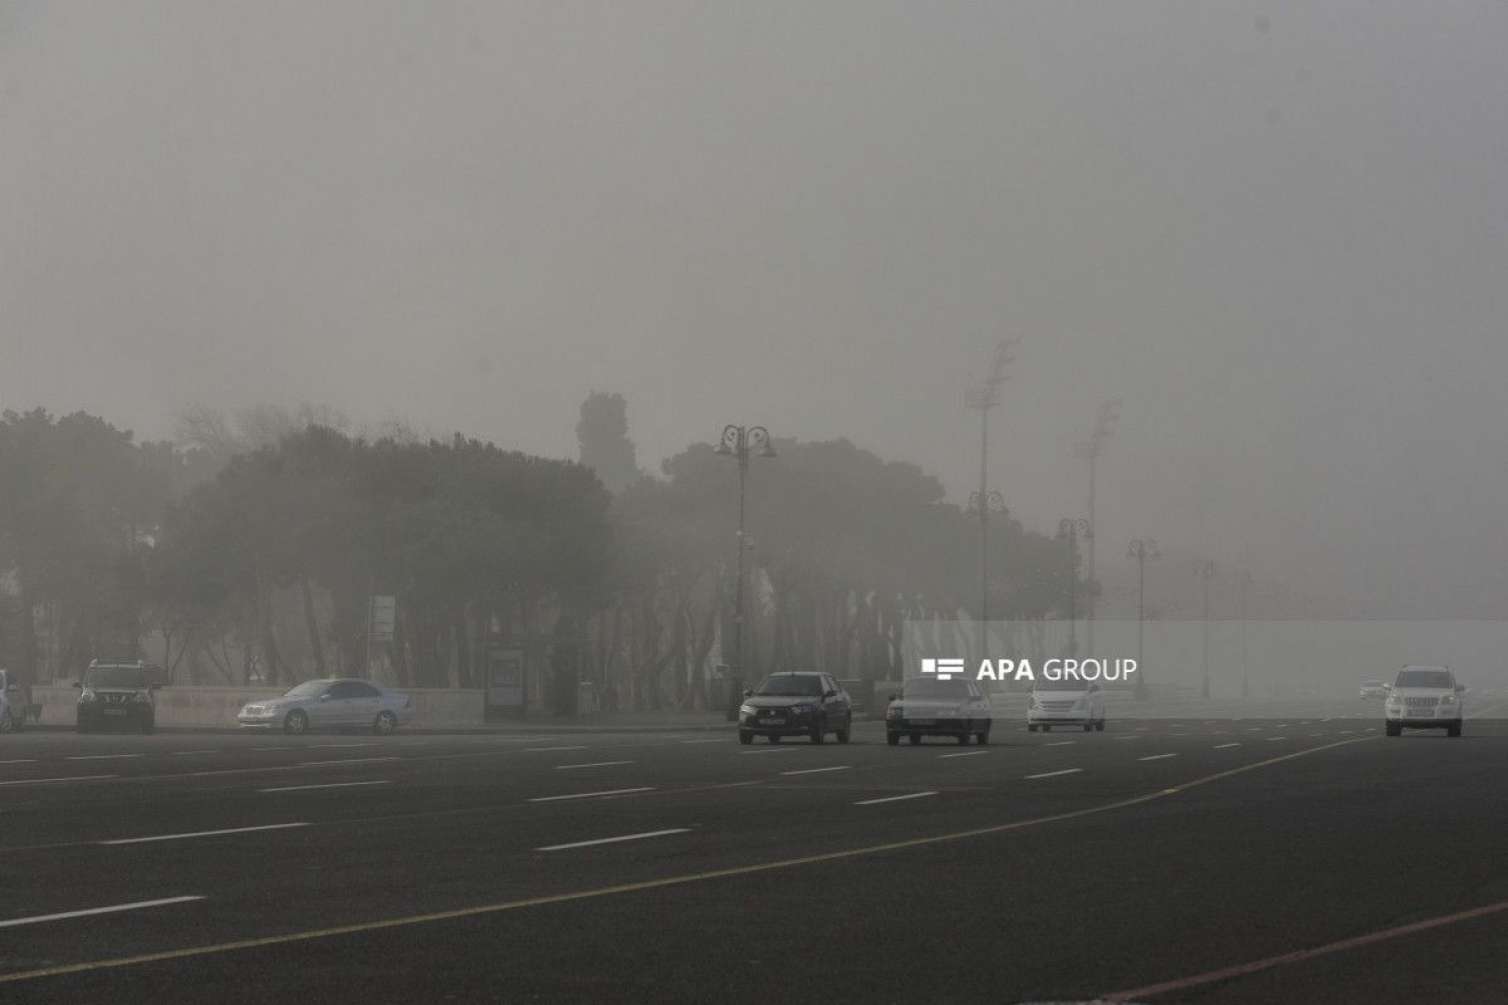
<point>942,669</point>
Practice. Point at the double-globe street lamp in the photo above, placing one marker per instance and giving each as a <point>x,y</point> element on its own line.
<point>1143,550</point>
<point>1071,529</point>
<point>1204,569</point>
<point>741,443</point>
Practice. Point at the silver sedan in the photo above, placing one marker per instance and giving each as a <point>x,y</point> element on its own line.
<point>331,703</point>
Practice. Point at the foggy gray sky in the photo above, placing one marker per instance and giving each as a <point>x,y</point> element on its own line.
<point>1277,231</point>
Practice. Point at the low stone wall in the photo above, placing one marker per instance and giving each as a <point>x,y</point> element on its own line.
<point>217,706</point>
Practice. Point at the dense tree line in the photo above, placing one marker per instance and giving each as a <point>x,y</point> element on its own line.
<point>249,550</point>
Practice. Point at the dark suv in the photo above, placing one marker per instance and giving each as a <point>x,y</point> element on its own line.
<point>796,704</point>
<point>119,695</point>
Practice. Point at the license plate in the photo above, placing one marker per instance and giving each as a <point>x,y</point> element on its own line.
<point>775,720</point>
<point>115,711</point>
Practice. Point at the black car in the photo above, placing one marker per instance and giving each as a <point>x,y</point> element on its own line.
<point>796,704</point>
<point>116,695</point>
<point>927,706</point>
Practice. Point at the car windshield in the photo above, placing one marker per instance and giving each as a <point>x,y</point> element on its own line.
<point>1069,684</point>
<point>308,689</point>
<point>927,687</point>
<point>787,684</point>
<point>115,677</point>
<point>1423,678</point>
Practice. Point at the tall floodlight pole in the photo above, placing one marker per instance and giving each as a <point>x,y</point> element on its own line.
<point>1205,570</point>
<point>1090,450</point>
<point>1142,549</point>
<point>1245,590</point>
<point>741,443</point>
<point>1071,529</point>
<point>982,397</point>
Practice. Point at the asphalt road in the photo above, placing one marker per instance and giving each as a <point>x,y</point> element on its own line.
<point>1136,864</point>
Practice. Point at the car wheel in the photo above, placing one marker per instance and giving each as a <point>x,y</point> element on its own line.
<point>1030,728</point>
<point>385,724</point>
<point>1088,727</point>
<point>963,739</point>
<point>819,732</point>
<point>1099,727</point>
<point>745,737</point>
<point>774,737</point>
<point>843,734</point>
<point>1045,728</point>
<point>1454,729</point>
<point>915,739</point>
<point>893,738</point>
<point>296,723</point>
<point>1393,729</point>
<point>983,738</point>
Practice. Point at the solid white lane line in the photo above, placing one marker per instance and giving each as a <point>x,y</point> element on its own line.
<point>23,760</point>
<point>970,753</point>
<point>1128,738</point>
<point>327,785</point>
<point>343,760</point>
<point>45,781</point>
<point>1054,774</point>
<point>541,750</point>
<point>704,741</point>
<point>894,799</point>
<point>197,834</point>
<point>770,750</point>
<point>818,771</point>
<point>1156,757</point>
<point>594,764</point>
<point>99,757</point>
<point>1060,743</point>
<point>1272,738</point>
<point>112,909</point>
<point>591,795</point>
<point>338,746</point>
<point>186,753</point>
<point>615,840</point>
<point>1222,746</point>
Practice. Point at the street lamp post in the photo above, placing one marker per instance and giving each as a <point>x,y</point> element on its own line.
<point>741,443</point>
<point>981,398</point>
<point>1142,549</point>
<point>1205,570</point>
<point>1245,590</point>
<point>984,504</point>
<point>1070,529</point>
<point>1090,450</point>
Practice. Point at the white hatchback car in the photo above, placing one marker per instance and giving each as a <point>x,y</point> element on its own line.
<point>1066,703</point>
<point>1424,698</point>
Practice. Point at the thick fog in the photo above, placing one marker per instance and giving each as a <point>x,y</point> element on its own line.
<point>1277,232</point>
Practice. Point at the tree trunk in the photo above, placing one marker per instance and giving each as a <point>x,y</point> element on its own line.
<point>311,625</point>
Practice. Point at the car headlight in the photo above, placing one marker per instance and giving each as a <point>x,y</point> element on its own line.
<point>746,710</point>
<point>86,695</point>
<point>1449,699</point>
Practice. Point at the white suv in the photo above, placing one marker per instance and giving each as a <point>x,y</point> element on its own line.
<point>1424,698</point>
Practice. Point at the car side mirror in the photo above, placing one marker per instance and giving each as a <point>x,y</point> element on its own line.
<point>1460,688</point>
<point>748,692</point>
<point>829,694</point>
